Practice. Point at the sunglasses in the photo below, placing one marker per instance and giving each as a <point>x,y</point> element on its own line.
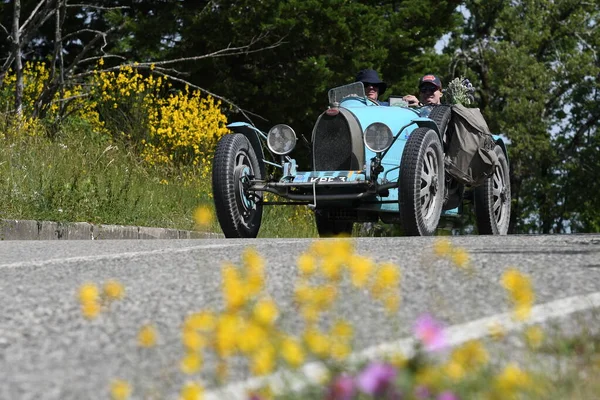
<point>427,89</point>
<point>367,84</point>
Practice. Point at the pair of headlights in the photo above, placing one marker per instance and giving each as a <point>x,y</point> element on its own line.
<point>281,139</point>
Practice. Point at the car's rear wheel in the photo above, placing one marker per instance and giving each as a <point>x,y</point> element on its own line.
<point>327,227</point>
<point>421,191</point>
<point>239,212</point>
<point>492,199</point>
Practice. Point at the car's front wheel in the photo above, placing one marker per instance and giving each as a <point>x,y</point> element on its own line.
<point>492,199</point>
<point>239,211</point>
<point>421,191</point>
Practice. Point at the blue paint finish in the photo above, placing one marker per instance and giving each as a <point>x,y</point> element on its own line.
<point>450,213</point>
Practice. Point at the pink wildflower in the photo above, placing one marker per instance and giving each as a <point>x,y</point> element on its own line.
<point>376,378</point>
<point>342,388</point>
<point>447,395</point>
<point>430,332</point>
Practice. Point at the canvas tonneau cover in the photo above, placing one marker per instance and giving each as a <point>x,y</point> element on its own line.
<point>470,157</point>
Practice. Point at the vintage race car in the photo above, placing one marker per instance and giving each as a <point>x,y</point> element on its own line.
<point>369,163</point>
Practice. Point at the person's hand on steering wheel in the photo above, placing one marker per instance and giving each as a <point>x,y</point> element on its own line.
<point>412,101</point>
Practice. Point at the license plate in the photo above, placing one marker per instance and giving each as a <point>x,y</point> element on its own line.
<point>327,179</point>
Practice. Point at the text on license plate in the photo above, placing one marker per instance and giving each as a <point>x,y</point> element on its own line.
<point>326,179</point>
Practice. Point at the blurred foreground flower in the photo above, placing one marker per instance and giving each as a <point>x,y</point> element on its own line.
<point>520,291</point>
<point>342,388</point>
<point>89,299</point>
<point>430,332</point>
<point>113,290</point>
<point>376,378</point>
<point>191,391</point>
<point>147,336</point>
<point>203,216</point>
<point>120,390</point>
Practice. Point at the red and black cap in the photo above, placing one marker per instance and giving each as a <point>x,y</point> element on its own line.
<point>431,79</point>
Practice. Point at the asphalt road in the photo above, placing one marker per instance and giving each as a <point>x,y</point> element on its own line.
<point>49,351</point>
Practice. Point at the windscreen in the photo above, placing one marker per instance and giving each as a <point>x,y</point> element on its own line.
<point>355,89</point>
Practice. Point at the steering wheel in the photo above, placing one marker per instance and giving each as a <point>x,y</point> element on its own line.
<point>374,101</point>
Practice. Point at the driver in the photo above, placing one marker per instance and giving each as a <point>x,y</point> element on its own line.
<point>374,87</point>
<point>430,92</point>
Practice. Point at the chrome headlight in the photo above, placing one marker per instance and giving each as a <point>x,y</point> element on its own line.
<point>378,137</point>
<point>281,139</point>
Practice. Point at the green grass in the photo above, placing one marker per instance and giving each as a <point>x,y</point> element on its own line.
<point>81,176</point>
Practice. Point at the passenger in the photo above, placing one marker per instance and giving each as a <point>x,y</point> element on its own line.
<point>430,92</point>
<point>374,87</point>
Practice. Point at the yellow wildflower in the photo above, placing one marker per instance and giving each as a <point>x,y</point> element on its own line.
<point>360,270</point>
<point>147,336</point>
<point>292,352</point>
<point>88,293</point>
<point>442,247</point>
<point>331,268</point>
<point>203,216</point>
<point>227,329</point>
<point>387,277</point>
<point>460,257</point>
<point>253,262</point>
<point>454,370</point>
<point>90,309</point>
<point>339,350</point>
<point>265,312</point>
<point>470,356</point>
<point>317,342</point>
<point>534,336</point>
<point>251,337</point>
<point>191,363</point>
<point>120,390</point>
<point>342,330</point>
<point>202,321</point>
<point>511,380</point>
<point>307,264</point>
<point>234,290</point>
<point>192,340</point>
<point>263,361</point>
<point>113,290</point>
<point>191,391</point>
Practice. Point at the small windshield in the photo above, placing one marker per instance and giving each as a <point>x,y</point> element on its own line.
<point>355,89</point>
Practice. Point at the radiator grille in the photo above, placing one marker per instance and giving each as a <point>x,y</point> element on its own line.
<point>332,144</point>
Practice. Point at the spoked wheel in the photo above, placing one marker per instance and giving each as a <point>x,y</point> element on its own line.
<point>492,199</point>
<point>421,191</point>
<point>234,164</point>
<point>330,228</point>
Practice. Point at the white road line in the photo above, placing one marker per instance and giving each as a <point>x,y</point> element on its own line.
<point>128,255</point>
<point>457,334</point>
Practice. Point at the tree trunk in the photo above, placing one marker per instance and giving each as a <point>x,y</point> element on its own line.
<point>18,61</point>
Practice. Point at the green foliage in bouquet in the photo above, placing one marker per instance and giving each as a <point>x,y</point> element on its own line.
<point>460,91</point>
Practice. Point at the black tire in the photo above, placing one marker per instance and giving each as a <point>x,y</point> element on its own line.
<point>441,115</point>
<point>237,210</point>
<point>492,199</point>
<point>327,227</point>
<point>421,191</point>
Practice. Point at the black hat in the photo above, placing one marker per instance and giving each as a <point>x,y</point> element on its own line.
<point>431,79</point>
<point>370,76</point>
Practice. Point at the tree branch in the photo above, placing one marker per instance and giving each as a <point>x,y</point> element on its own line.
<point>34,14</point>
<point>228,51</point>
<point>99,7</point>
